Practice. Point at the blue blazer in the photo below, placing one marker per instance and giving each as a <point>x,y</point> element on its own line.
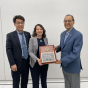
<point>70,51</point>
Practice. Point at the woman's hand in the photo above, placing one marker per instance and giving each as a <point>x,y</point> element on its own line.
<point>39,62</point>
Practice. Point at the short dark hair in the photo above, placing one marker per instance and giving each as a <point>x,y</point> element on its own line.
<point>71,16</point>
<point>34,32</point>
<point>18,17</point>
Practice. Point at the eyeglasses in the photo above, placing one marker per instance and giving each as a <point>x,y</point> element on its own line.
<point>19,22</point>
<point>68,21</point>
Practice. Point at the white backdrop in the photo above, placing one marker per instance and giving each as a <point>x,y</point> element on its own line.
<point>49,13</point>
<point>2,73</point>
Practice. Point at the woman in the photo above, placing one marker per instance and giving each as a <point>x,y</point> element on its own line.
<point>36,67</point>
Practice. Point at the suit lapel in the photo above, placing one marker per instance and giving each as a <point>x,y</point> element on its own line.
<point>62,38</point>
<point>35,44</point>
<point>45,41</point>
<point>69,36</point>
<point>26,38</point>
<point>17,39</point>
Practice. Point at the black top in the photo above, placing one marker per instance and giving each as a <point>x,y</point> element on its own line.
<point>40,43</point>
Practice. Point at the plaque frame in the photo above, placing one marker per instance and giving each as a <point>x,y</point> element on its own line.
<point>48,50</point>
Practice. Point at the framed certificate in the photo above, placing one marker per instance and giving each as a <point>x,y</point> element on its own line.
<point>47,54</point>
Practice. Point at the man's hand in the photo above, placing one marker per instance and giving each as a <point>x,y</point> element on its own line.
<point>14,67</point>
<point>55,48</point>
<point>58,62</point>
<point>39,62</point>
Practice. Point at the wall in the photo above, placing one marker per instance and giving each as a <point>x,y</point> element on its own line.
<point>2,64</point>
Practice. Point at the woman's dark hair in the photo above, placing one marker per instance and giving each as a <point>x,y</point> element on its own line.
<point>18,17</point>
<point>34,32</point>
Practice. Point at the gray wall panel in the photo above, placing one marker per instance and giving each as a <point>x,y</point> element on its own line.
<point>2,69</point>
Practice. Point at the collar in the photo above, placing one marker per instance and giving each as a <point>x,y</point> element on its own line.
<point>19,32</point>
<point>68,32</point>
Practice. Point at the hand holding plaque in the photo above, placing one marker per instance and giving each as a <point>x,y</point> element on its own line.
<point>47,54</point>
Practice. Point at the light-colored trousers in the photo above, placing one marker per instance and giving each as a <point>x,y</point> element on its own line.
<point>72,80</point>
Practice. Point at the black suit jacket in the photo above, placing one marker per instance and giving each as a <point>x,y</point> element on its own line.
<point>13,48</point>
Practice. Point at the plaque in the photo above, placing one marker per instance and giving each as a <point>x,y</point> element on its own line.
<point>47,54</point>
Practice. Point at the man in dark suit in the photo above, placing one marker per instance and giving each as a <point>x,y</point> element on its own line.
<point>17,52</point>
<point>70,46</point>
